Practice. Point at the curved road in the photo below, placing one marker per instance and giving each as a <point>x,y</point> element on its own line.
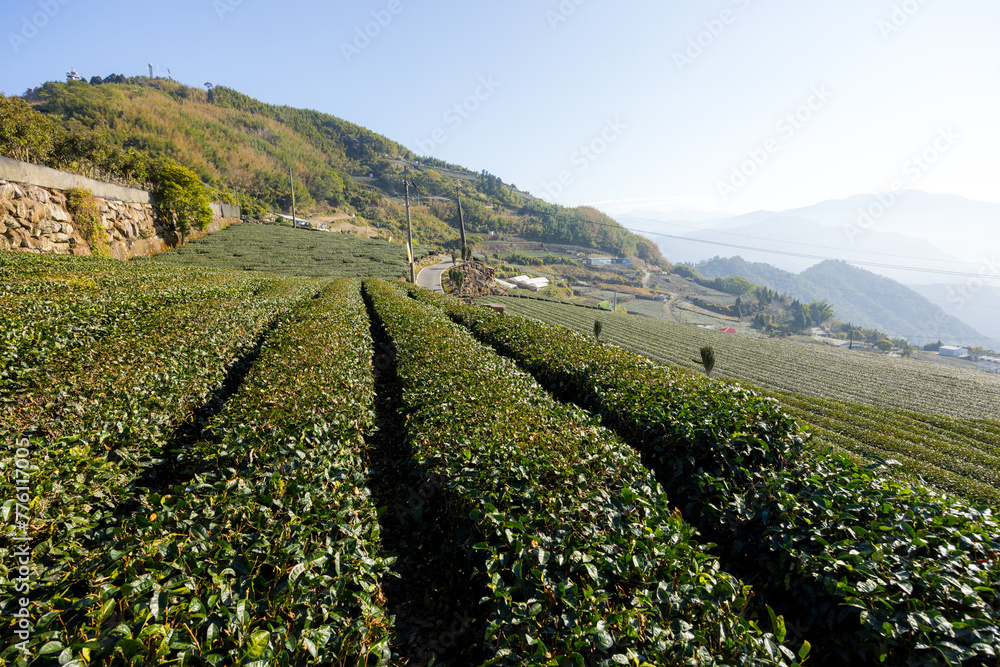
<point>430,276</point>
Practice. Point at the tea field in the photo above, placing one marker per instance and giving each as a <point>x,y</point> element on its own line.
<point>939,423</point>
<point>217,467</point>
<point>281,249</point>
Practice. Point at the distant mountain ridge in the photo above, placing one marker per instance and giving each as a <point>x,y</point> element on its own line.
<point>860,297</point>
<point>883,232</point>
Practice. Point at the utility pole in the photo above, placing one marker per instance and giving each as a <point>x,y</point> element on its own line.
<point>851,345</point>
<point>292,184</point>
<point>409,230</point>
<point>461,224</point>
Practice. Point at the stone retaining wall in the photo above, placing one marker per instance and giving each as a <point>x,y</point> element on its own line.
<point>36,219</point>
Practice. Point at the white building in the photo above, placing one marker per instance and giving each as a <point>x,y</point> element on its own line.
<point>952,351</point>
<point>534,284</point>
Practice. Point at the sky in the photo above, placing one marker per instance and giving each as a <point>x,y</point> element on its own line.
<point>722,105</point>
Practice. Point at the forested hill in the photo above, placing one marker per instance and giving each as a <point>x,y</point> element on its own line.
<point>858,296</point>
<point>242,146</point>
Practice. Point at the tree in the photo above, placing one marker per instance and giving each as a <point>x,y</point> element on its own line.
<point>821,311</point>
<point>457,277</point>
<point>884,345</point>
<point>181,198</point>
<point>707,360</point>
<point>801,316</point>
<point>598,326</point>
<point>25,134</point>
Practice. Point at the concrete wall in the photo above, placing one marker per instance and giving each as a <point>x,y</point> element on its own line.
<point>53,179</point>
<point>220,210</point>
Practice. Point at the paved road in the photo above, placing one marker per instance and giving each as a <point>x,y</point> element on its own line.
<point>430,276</point>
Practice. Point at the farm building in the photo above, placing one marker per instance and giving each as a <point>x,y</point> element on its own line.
<point>607,261</point>
<point>952,351</point>
<point>534,284</point>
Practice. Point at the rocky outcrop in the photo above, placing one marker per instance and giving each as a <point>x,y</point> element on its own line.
<point>36,219</point>
<point>480,280</point>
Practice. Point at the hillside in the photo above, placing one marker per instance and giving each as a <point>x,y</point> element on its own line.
<point>860,297</point>
<point>245,149</point>
<point>973,302</point>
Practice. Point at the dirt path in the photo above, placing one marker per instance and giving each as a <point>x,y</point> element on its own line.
<point>668,311</point>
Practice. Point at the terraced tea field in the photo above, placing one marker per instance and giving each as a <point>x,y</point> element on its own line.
<point>939,423</point>
<point>211,467</point>
<point>280,249</point>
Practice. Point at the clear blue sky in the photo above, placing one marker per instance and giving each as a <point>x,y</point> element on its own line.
<point>668,97</point>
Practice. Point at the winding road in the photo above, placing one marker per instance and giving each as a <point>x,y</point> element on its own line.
<point>430,276</point>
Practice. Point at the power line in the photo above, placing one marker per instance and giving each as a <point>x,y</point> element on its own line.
<point>788,253</point>
<point>805,245</point>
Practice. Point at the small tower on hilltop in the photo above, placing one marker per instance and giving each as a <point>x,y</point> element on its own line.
<point>72,75</point>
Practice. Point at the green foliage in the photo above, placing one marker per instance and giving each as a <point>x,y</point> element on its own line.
<point>884,345</point>
<point>708,359</point>
<point>730,285</point>
<point>181,198</point>
<point>493,186</point>
<point>25,134</point>
<point>457,277</point>
<point>859,296</point>
<point>87,216</point>
<point>843,546</point>
<point>297,252</point>
<point>850,401</point>
<point>582,560</point>
<point>821,311</point>
<point>122,128</point>
<point>152,539</point>
<point>598,327</point>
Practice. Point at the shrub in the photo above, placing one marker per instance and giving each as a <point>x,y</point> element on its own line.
<point>181,198</point>
<point>83,205</point>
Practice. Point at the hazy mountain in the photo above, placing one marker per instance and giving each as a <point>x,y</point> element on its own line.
<point>883,232</point>
<point>970,302</point>
<point>858,296</point>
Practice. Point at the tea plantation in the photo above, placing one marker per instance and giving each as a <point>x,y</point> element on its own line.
<point>278,248</point>
<point>940,424</point>
<point>209,467</point>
